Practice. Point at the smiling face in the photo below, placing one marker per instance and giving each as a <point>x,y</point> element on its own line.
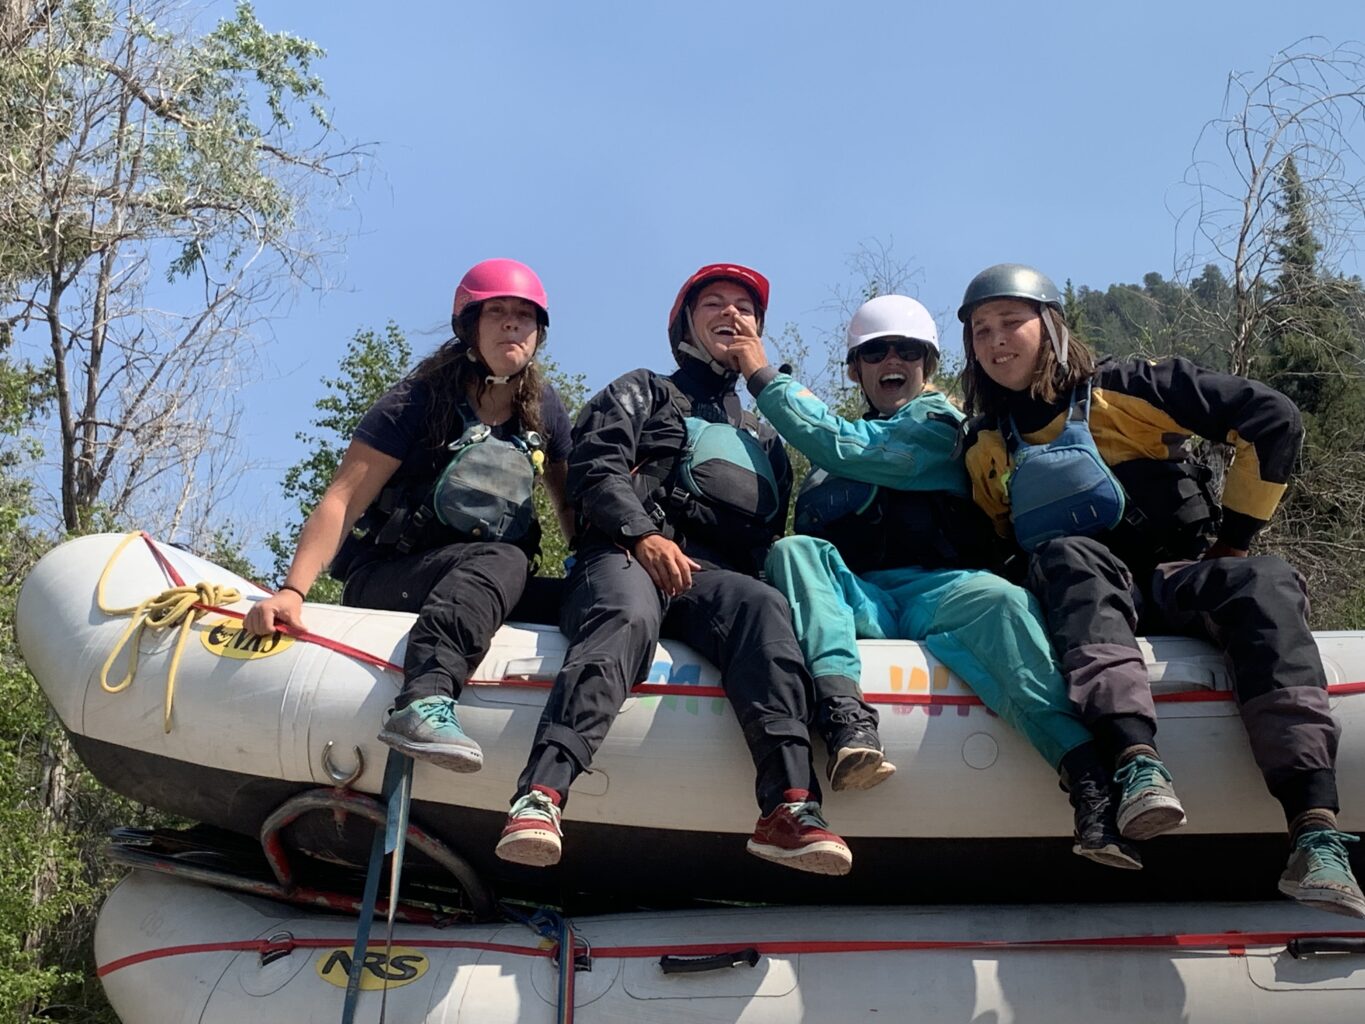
<point>509,330</point>
<point>1007,337</point>
<point>892,383</point>
<point>721,310</point>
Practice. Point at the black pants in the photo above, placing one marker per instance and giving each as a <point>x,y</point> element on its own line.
<point>1255,609</point>
<point>461,593</point>
<point>614,616</point>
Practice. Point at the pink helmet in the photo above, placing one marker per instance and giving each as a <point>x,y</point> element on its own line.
<point>495,278</point>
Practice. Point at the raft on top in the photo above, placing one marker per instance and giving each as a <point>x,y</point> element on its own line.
<point>244,723</point>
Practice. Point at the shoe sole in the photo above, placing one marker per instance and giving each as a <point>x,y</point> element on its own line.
<point>859,768</point>
<point>536,848</point>
<point>1324,899</point>
<point>1111,856</point>
<point>455,759</point>
<point>1151,818</point>
<point>822,858</point>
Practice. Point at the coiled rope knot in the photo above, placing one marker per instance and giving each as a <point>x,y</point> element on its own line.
<point>176,607</point>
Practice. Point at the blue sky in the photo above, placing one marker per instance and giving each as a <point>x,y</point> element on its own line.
<point>616,146</point>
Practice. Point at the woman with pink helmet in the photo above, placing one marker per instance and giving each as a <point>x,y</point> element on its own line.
<point>410,521</point>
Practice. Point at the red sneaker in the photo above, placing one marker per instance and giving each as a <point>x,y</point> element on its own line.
<point>796,835</point>
<point>531,835</point>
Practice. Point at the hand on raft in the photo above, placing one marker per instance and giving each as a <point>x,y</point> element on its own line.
<point>282,609</point>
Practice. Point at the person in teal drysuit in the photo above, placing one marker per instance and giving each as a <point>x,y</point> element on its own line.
<point>894,548</point>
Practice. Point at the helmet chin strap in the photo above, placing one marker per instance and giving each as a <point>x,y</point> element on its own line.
<point>697,351</point>
<point>489,378</point>
<point>1060,347</point>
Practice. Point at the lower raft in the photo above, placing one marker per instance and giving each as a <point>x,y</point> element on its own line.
<point>170,950</point>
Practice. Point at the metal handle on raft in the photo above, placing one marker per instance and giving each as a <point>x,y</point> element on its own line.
<point>1301,949</point>
<point>696,964</point>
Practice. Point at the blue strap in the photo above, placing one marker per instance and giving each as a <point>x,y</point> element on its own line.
<point>394,792</point>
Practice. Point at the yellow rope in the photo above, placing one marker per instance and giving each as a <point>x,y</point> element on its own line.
<point>169,609</point>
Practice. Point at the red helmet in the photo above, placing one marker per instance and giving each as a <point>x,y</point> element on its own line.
<point>496,278</point>
<point>755,282</point>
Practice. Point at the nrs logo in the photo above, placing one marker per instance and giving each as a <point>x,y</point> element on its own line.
<point>398,967</point>
<point>230,640</point>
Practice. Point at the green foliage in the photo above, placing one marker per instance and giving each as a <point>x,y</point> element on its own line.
<point>134,146</point>
<point>373,364</point>
<point>554,548</point>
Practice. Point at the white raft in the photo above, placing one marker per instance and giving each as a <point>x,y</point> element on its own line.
<point>257,721</point>
<point>169,951</point>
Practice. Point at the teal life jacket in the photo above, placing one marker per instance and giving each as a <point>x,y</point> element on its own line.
<point>720,488</point>
<point>1063,488</point>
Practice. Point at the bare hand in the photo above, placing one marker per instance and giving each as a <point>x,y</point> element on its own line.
<point>282,609</point>
<point>745,350</point>
<point>1223,550</point>
<point>666,564</point>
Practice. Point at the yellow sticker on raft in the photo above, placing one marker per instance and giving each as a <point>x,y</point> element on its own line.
<point>227,639</point>
<point>398,967</point>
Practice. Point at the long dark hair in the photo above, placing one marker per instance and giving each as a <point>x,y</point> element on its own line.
<point>980,394</point>
<point>455,370</point>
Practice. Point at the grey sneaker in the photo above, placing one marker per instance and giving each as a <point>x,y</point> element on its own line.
<point>1148,805</point>
<point>532,833</point>
<point>1319,873</point>
<point>429,730</point>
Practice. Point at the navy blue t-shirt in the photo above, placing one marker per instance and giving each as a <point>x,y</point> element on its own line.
<point>397,426</point>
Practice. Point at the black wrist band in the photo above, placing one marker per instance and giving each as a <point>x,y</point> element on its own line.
<point>290,586</point>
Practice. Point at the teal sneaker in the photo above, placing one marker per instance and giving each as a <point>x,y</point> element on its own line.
<point>429,730</point>
<point>1148,805</point>
<point>1319,873</point>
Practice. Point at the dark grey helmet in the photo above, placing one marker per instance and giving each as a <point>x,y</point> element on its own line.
<point>1009,281</point>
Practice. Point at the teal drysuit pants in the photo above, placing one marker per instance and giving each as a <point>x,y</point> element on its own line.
<point>988,631</point>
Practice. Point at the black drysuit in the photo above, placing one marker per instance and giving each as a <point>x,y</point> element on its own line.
<point>621,471</point>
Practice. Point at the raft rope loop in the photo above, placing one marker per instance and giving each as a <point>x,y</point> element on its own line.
<point>177,608</point>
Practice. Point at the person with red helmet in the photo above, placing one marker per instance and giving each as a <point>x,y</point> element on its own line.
<point>680,492</point>
<point>410,523</point>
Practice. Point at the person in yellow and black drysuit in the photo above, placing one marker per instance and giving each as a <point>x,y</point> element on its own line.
<point>1087,465</point>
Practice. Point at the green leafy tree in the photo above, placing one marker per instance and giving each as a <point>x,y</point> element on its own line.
<point>554,548</point>
<point>158,186</point>
<point>373,364</point>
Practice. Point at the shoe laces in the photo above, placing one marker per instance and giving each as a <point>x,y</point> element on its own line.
<point>538,806</point>
<point>442,712</point>
<point>1142,772</point>
<point>1326,848</point>
<point>807,812</point>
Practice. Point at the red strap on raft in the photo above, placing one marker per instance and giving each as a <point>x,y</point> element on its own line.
<point>302,635</point>
<point>1233,943</point>
<point>687,690</point>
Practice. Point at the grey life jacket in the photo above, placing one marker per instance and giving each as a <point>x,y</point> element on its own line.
<point>481,491</point>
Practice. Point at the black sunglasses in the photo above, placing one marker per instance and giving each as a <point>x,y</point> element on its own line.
<point>879,348</point>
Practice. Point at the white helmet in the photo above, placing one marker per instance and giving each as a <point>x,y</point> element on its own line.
<point>892,316</point>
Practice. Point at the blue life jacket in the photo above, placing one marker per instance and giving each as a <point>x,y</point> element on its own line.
<point>1063,488</point>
